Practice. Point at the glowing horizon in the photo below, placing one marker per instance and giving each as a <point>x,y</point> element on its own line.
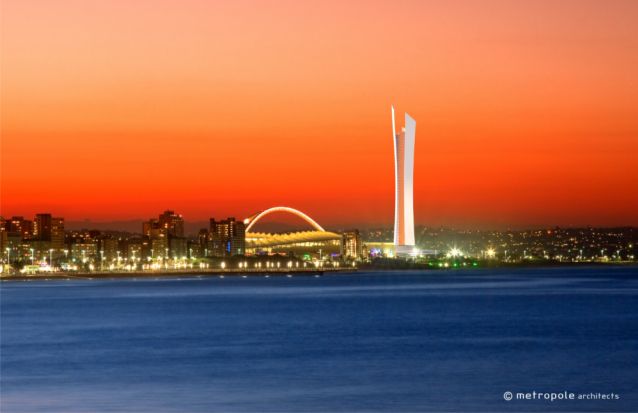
<point>120,110</point>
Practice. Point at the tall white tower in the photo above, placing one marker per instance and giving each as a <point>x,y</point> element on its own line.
<point>403,192</point>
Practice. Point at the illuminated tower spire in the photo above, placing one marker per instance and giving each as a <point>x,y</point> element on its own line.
<point>403,180</point>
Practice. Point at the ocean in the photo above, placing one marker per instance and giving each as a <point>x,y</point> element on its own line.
<point>393,341</point>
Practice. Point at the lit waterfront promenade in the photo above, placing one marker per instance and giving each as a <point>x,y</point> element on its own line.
<point>206,272</point>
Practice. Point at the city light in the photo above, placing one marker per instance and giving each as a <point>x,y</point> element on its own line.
<point>237,251</point>
<point>454,253</point>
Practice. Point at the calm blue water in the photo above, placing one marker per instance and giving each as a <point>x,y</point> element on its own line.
<point>393,341</point>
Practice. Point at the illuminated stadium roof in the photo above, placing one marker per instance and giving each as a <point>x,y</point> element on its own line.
<point>261,239</point>
<point>265,240</point>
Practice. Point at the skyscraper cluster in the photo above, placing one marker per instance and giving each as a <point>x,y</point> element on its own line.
<point>41,237</point>
<point>43,241</point>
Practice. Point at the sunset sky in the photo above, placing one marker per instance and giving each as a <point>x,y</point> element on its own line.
<point>527,112</point>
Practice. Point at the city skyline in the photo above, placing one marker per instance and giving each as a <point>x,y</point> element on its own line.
<point>528,124</point>
<point>283,224</point>
<point>45,239</point>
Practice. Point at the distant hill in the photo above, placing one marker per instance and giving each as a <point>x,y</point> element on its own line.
<point>191,228</point>
<point>133,226</point>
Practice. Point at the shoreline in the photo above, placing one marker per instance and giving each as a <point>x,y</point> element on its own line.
<point>167,274</point>
<point>284,272</point>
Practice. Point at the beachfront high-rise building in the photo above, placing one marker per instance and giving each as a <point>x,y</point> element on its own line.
<point>403,182</point>
<point>173,223</point>
<point>228,237</point>
<point>351,244</point>
<point>49,229</point>
<point>165,236</point>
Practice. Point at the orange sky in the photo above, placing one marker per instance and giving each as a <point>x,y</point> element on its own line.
<point>527,112</point>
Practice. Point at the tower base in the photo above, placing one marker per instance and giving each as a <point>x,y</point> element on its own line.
<point>406,251</point>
